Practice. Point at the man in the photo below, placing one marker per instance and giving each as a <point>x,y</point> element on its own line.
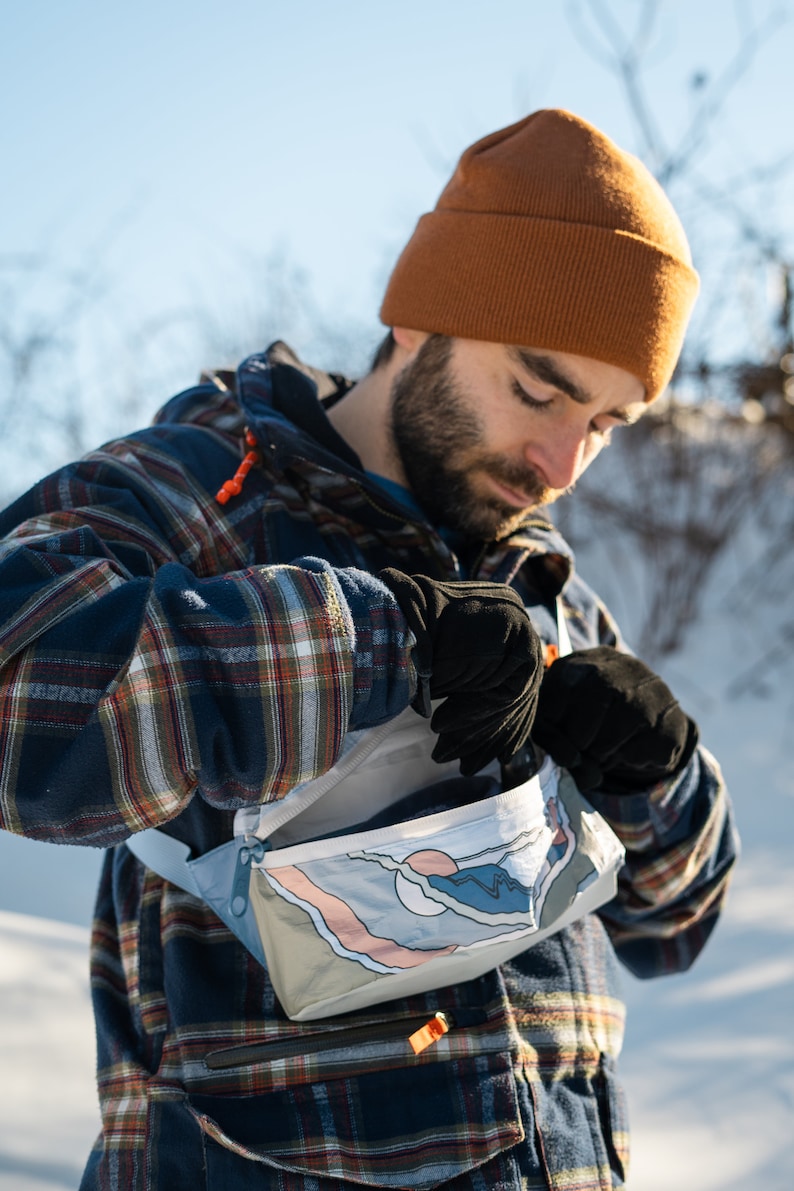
<point>168,658</point>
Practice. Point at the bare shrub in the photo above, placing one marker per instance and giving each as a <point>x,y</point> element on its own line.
<point>687,481</point>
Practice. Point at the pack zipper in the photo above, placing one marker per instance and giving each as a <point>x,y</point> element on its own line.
<point>425,1031</point>
<point>250,854</point>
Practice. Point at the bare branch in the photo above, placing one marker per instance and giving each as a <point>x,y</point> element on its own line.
<point>716,94</point>
<point>624,58</point>
<point>576,19</point>
<point>687,482</point>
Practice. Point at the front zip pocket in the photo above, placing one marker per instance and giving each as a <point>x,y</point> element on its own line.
<point>347,1037</point>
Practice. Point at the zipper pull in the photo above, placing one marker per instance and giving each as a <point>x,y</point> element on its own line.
<point>234,486</point>
<point>238,901</point>
<point>436,1028</point>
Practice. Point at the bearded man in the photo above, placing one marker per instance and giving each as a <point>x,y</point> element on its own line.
<point>180,649</point>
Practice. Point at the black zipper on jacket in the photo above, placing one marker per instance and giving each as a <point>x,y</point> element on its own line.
<point>338,1039</point>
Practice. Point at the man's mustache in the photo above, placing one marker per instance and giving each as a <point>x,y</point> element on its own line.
<point>520,479</point>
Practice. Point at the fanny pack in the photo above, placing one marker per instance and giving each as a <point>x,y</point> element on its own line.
<point>445,878</point>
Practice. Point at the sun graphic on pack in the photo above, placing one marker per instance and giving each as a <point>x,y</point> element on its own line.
<point>427,863</point>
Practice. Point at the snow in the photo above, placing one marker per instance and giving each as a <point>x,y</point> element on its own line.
<point>49,1116</point>
<point>709,1056</point>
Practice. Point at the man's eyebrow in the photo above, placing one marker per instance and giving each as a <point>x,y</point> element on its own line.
<point>549,373</point>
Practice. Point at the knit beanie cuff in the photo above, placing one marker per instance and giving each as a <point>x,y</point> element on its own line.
<point>592,291</point>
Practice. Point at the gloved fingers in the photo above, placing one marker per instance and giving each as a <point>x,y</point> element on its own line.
<point>591,756</point>
<point>586,771</point>
<point>593,674</point>
<point>613,723</point>
<point>471,712</point>
<point>649,759</point>
<point>483,715</point>
<point>473,758</point>
<point>628,742</point>
<point>558,745</point>
<point>486,656</point>
<point>472,763</point>
<point>476,738</point>
<point>603,705</point>
<point>584,716</point>
<point>490,740</point>
<point>458,671</point>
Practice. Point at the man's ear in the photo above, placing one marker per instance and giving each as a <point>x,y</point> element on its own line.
<point>408,339</point>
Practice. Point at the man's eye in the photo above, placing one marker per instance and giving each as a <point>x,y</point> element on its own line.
<point>527,398</point>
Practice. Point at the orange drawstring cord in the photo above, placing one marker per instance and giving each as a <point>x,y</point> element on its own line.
<point>234,486</point>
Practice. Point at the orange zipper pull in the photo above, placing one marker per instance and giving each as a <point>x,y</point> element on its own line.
<point>429,1033</point>
<point>234,486</point>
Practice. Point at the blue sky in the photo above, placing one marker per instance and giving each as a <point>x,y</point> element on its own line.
<point>174,146</point>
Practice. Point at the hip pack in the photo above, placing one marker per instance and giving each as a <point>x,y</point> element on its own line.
<point>443,879</point>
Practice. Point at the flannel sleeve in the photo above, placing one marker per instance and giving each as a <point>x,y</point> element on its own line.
<point>681,844</point>
<point>141,663</point>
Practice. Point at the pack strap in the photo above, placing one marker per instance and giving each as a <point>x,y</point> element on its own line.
<point>166,856</point>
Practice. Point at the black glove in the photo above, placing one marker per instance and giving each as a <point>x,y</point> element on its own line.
<point>610,721</point>
<point>475,643</point>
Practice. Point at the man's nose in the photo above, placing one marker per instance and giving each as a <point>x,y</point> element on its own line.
<point>559,457</point>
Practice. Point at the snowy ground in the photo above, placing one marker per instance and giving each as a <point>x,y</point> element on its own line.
<point>48,1116</point>
<point>709,1058</point>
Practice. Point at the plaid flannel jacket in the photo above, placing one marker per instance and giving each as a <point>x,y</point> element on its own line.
<point>164,661</point>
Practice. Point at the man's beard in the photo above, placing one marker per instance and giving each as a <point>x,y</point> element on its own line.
<point>438,441</point>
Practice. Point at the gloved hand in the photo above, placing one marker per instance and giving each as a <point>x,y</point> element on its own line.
<point>611,722</point>
<point>476,644</point>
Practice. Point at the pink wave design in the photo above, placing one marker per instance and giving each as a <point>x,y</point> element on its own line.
<point>350,930</point>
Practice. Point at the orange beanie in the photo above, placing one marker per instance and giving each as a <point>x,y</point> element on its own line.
<point>548,235</point>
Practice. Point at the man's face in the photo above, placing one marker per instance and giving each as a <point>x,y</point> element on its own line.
<point>485,431</point>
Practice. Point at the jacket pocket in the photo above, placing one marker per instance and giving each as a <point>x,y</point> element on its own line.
<point>397,1128</point>
<point>581,1132</point>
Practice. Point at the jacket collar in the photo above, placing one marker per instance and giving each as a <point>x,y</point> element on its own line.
<point>284,401</point>
<point>279,394</point>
